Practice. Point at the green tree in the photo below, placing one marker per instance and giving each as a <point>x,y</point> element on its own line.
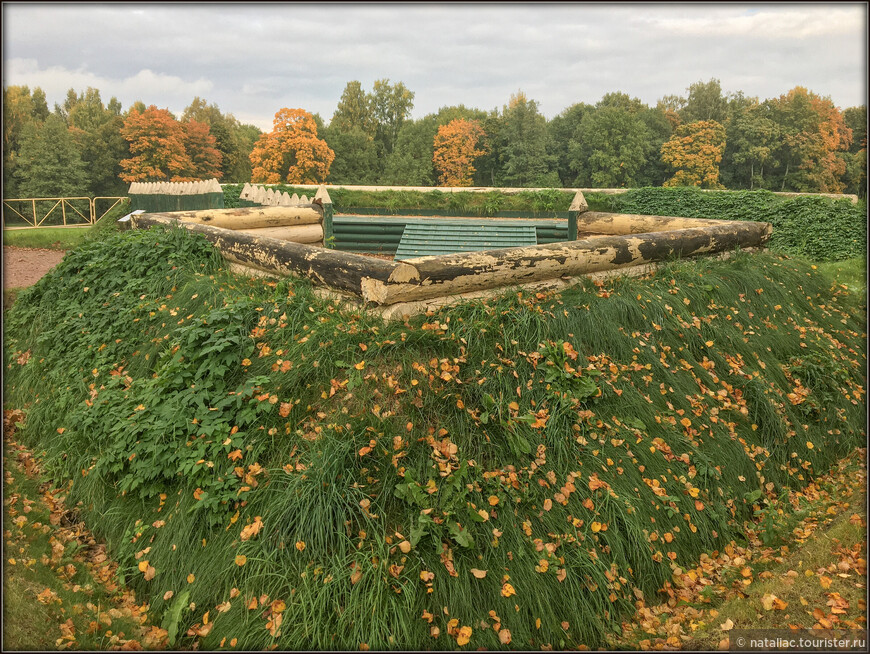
<point>855,119</point>
<point>391,107</point>
<point>20,107</point>
<point>49,163</point>
<point>355,111</point>
<point>855,158</point>
<point>96,129</point>
<point>660,128</point>
<point>562,131</point>
<point>410,162</point>
<point>612,143</point>
<point>751,142</point>
<point>356,156</point>
<point>705,102</point>
<point>523,145</point>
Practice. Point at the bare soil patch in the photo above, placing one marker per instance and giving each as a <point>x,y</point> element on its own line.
<point>25,266</point>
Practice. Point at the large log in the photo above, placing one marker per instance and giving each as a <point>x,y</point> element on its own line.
<point>453,274</point>
<point>297,234</point>
<point>351,273</point>
<point>253,217</point>
<point>422,278</point>
<point>599,222</point>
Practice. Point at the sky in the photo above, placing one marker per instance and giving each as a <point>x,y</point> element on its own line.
<point>253,59</point>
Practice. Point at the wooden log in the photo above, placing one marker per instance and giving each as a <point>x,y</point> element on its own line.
<point>295,233</point>
<point>460,273</point>
<point>599,222</point>
<point>352,273</point>
<point>253,217</point>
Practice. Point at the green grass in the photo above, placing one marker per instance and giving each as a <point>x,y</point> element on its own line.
<point>553,439</point>
<point>851,272</point>
<point>50,238</point>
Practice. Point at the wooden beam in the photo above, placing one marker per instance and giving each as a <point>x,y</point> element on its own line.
<point>453,274</point>
<point>311,234</point>
<point>351,273</point>
<point>599,222</point>
<point>252,217</point>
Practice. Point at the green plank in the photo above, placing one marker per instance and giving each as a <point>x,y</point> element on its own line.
<point>434,238</point>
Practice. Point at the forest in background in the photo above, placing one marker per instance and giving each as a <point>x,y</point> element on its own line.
<point>799,141</point>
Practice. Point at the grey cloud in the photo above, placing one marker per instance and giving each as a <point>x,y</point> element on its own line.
<point>258,56</point>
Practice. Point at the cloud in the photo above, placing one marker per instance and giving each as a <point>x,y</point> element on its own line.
<point>145,85</point>
<point>770,24</point>
<point>252,59</point>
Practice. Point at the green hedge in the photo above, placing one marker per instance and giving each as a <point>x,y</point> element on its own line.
<point>462,203</point>
<point>823,229</point>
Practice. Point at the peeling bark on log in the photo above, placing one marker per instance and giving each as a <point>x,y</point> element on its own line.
<point>251,217</point>
<point>348,272</point>
<point>309,234</point>
<point>404,310</point>
<point>461,273</point>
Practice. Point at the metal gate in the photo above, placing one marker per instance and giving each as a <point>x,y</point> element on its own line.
<point>56,212</point>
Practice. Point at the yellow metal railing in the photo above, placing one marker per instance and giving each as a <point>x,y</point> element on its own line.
<point>65,212</point>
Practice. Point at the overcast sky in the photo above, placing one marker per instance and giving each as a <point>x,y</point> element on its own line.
<point>253,59</point>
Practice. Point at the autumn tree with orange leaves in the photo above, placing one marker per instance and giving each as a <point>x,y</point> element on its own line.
<point>695,151</point>
<point>164,149</point>
<point>455,151</point>
<point>812,132</point>
<point>291,152</point>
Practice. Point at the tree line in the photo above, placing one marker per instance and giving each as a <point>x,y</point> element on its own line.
<point>799,141</point>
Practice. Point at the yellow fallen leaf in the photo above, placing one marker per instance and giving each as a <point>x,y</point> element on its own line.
<point>241,560</point>
<point>727,625</point>
<point>479,574</point>
<point>464,636</point>
<point>143,566</point>
<point>507,590</point>
<point>190,578</point>
<point>825,581</point>
<point>504,636</point>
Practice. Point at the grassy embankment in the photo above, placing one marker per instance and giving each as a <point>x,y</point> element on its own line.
<point>309,477</point>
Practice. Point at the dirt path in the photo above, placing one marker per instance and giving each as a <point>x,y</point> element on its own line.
<point>24,266</point>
